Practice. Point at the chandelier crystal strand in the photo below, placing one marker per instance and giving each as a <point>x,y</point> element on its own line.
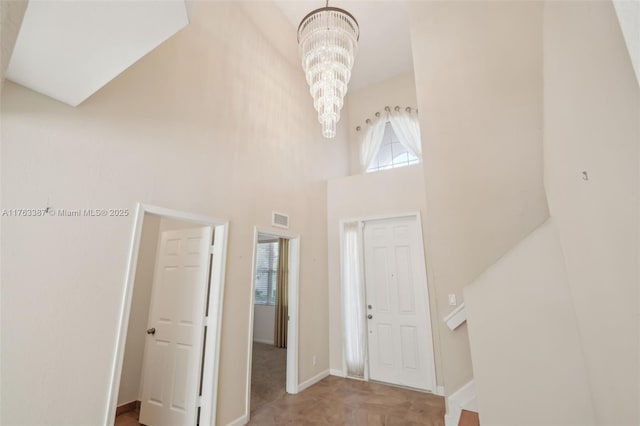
<point>328,40</point>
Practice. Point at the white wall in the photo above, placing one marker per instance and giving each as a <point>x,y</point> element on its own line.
<point>264,321</point>
<point>592,124</point>
<point>628,13</point>
<point>528,364</point>
<point>478,72</point>
<point>365,102</point>
<point>218,121</point>
<point>381,193</point>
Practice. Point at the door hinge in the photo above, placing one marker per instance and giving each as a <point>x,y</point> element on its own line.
<point>199,402</point>
<point>211,249</point>
<point>206,321</point>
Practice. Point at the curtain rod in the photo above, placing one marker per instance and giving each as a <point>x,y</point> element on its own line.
<point>387,109</point>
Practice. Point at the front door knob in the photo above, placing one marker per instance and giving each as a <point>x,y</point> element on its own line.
<point>369,316</point>
<point>151,331</point>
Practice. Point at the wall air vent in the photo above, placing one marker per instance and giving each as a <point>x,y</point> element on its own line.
<point>280,220</point>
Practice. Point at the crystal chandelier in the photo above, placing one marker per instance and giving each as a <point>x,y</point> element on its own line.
<point>328,40</point>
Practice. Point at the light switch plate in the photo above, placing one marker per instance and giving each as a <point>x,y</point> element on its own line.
<point>452,300</point>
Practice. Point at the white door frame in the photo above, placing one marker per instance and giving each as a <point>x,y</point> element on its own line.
<point>292,329</point>
<point>211,364</point>
<point>430,344</point>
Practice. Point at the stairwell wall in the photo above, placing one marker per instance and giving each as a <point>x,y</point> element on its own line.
<point>478,74</point>
<point>592,125</point>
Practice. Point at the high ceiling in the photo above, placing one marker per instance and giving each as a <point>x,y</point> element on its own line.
<point>69,49</point>
<point>384,49</point>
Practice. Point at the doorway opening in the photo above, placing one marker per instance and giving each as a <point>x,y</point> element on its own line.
<point>272,369</point>
<point>166,360</point>
<point>387,334</point>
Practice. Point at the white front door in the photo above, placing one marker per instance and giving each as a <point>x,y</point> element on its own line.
<point>398,320</point>
<point>173,349</point>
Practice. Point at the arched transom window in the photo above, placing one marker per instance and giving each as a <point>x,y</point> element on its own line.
<point>391,140</point>
<point>392,153</point>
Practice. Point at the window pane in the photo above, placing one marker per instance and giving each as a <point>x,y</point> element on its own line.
<point>402,159</point>
<point>392,153</point>
<point>274,288</point>
<point>262,286</point>
<point>384,156</point>
<point>266,273</point>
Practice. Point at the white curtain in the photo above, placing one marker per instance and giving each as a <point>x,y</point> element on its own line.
<point>406,127</point>
<point>353,301</point>
<point>372,140</point>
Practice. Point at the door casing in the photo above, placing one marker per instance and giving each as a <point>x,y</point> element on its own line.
<point>362,220</point>
<point>211,363</point>
<point>292,330</point>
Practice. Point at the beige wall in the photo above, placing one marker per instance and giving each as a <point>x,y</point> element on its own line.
<point>207,123</point>
<point>11,14</point>
<point>365,102</point>
<point>264,320</point>
<point>592,124</point>
<point>528,364</point>
<point>387,192</point>
<point>139,315</point>
<point>169,224</point>
<point>365,195</point>
<point>572,286</point>
<point>478,73</point>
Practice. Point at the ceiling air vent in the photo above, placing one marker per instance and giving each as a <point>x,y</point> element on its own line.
<point>280,220</point>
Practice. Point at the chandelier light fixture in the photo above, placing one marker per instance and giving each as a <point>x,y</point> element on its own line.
<point>328,40</point>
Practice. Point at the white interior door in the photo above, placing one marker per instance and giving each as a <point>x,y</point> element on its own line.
<point>398,321</point>
<point>173,349</point>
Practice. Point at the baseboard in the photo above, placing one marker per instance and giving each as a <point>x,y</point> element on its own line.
<point>312,381</point>
<point>471,404</point>
<point>126,407</point>
<point>464,394</point>
<point>336,372</point>
<point>449,420</point>
<point>266,342</point>
<point>240,421</point>
<point>462,398</point>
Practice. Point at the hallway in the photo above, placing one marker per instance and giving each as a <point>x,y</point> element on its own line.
<point>268,374</point>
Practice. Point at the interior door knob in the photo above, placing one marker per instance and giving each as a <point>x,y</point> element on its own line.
<point>369,316</point>
<point>151,331</point>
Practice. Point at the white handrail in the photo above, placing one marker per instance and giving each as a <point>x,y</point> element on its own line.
<point>456,317</point>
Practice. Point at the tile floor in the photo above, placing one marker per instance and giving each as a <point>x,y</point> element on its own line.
<point>333,401</point>
<point>130,418</point>
<point>268,374</point>
<point>337,401</point>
